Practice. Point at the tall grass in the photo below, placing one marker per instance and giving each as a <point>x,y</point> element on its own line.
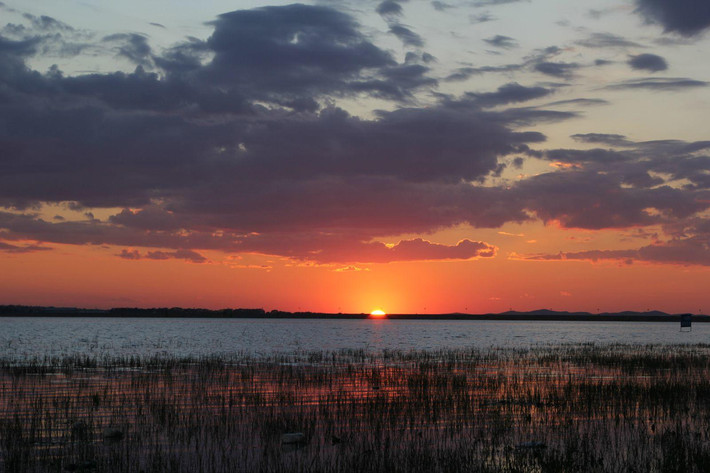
<point>568,408</point>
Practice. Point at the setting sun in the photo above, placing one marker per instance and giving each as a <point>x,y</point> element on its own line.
<point>378,313</point>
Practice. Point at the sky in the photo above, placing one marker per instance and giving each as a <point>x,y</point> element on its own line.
<point>407,155</point>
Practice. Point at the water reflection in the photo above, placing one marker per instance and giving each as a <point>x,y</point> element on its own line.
<point>22,337</point>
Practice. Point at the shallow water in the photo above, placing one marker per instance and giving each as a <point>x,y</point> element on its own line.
<point>25,337</point>
<point>551,408</point>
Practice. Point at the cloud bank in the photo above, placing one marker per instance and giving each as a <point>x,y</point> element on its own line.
<point>235,143</point>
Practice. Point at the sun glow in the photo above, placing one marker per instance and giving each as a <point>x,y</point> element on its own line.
<point>378,313</point>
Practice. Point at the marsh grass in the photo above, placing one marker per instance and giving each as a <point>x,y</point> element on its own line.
<point>565,408</point>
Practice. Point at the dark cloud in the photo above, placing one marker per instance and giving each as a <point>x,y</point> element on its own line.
<point>633,187</point>
<point>406,250</point>
<point>581,101</point>
<point>426,58</point>
<point>399,81</point>
<point>149,217</point>
<point>607,40</point>
<point>110,158</point>
<point>429,142</point>
<point>500,41</point>
<point>527,116</point>
<point>590,255</point>
<point>464,73</point>
<point>482,18</point>
<point>233,144</point>
<point>407,36</point>
<point>662,84</point>
<point>674,41</point>
<point>18,48</point>
<point>343,249</point>
<point>187,255</point>
<point>576,199</point>
<point>440,6</point>
<point>509,93</point>
<point>292,53</point>
<point>648,62</point>
<point>389,8</point>
<point>51,37</point>
<point>133,47</point>
<point>111,154</point>
<point>583,199</point>
<point>147,91</point>
<point>321,248</point>
<point>129,254</point>
<point>578,156</point>
<point>46,23</point>
<point>491,3</point>
<point>604,138</point>
<point>557,69</point>
<point>688,251</point>
<point>685,17</point>
<point>675,160</point>
<point>8,248</point>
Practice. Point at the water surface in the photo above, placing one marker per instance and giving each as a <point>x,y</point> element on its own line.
<point>25,337</point>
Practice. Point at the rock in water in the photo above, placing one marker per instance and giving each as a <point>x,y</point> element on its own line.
<point>531,446</point>
<point>293,437</point>
<point>113,435</point>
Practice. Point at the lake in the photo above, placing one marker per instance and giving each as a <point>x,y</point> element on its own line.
<point>21,338</point>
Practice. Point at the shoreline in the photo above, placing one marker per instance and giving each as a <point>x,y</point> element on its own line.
<point>176,313</point>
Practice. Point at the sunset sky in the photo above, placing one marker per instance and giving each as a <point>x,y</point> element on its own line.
<point>414,156</point>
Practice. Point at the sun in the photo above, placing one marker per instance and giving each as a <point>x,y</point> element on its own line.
<point>378,313</point>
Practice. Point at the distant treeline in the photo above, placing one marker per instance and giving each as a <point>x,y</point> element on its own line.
<point>170,312</point>
<point>179,312</point>
<point>20,310</point>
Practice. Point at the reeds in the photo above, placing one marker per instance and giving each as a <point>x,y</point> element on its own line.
<point>568,408</point>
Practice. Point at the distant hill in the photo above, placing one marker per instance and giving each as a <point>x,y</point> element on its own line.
<point>626,313</point>
<point>650,313</point>
<point>541,312</point>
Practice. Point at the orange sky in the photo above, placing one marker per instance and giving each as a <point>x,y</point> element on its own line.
<point>94,277</point>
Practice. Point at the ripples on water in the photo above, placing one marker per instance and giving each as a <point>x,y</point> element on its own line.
<point>26,337</point>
